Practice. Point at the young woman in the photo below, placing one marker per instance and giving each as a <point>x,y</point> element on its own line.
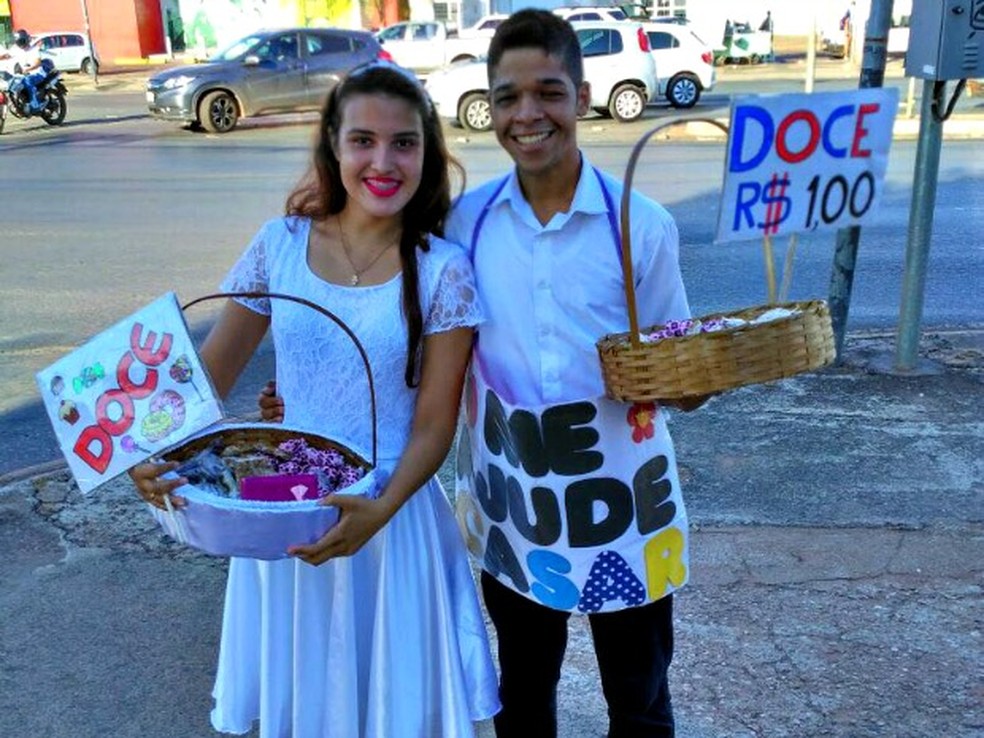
<point>375,630</point>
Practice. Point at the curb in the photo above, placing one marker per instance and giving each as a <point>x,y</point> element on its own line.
<point>29,472</point>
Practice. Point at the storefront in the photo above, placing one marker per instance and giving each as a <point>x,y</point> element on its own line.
<point>127,31</point>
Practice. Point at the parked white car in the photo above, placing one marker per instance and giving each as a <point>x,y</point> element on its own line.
<point>6,65</point>
<point>589,13</point>
<point>426,45</point>
<point>684,63</point>
<point>617,64</point>
<point>485,26</point>
<point>69,51</point>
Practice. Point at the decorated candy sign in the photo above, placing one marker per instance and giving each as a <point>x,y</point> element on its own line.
<point>127,394</point>
<point>805,162</point>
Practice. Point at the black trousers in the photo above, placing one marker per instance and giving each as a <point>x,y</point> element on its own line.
<point>634,648</point>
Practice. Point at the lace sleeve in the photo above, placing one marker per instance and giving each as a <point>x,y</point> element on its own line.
<point>455,303</point>
<point>251,273</point>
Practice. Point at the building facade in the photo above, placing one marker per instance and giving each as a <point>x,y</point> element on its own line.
<point>128,31</point>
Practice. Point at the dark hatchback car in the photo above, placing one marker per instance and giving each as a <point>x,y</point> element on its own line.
<point>265,72</point>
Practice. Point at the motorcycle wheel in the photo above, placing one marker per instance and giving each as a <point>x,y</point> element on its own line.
<point>55,109</point>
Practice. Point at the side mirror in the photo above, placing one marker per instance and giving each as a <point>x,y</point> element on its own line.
<point>251,60</point>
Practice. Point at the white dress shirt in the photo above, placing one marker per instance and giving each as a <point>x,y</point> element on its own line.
<point>551,291</point>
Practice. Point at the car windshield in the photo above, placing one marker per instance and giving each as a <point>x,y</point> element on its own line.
<point>393,33</point>
<point>237,48</point>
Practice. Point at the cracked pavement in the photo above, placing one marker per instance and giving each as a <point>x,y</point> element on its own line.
<point>837,555</point>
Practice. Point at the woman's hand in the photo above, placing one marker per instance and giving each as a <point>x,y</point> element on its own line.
<point>155,489</point>
<point>271,404</point>
<point>359,520</point>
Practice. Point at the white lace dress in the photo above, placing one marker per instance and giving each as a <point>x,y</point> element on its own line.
<point>389,643</point>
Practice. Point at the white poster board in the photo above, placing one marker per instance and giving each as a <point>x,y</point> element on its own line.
<point>805,162</point>
<point>131,391</point>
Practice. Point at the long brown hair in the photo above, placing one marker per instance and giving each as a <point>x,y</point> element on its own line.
<point>320,194</point>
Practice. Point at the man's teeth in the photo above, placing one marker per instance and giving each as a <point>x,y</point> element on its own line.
<point>533,138</point>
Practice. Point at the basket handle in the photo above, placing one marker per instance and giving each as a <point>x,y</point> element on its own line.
<point>630,298</point>
<point>331,316</point>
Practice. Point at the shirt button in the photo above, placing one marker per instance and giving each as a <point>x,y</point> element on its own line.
<point>542,284</point>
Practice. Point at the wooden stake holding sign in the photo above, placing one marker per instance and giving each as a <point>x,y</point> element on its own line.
<point>770,269</point>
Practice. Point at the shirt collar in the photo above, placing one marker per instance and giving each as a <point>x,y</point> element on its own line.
<point>588,196</point>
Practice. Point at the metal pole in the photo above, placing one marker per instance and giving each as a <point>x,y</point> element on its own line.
<point>846,248</point>
<point>811,54</point>
<point>94,66</point>
<point>910,98</point>
<point>920,229</point>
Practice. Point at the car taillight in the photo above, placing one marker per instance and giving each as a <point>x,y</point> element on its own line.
<point>707,57</point>
<point>384,55</point>
<point>643,40</point>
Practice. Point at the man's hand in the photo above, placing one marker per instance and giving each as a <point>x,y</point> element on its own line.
<point>271,404</point>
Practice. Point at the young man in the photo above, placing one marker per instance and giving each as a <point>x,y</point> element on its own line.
<point>570,501</point>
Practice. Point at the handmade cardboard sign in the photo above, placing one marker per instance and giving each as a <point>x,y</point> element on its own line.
<point>805,162</point>
<point>134,389</point>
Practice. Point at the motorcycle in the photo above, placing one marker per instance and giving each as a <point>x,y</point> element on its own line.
<point>15,98</point>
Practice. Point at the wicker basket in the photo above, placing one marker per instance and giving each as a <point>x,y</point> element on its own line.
<point>228,526</point>
<point>705,363</point>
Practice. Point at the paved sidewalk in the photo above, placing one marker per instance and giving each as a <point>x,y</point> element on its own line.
<point>836,575</point>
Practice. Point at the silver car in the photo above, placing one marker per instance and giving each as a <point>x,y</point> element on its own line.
<point>265,72</point>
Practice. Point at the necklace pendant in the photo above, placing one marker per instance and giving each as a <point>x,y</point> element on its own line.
<point>354,280</point>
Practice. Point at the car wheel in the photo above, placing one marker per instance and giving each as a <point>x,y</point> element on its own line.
<point>218,112</point>
<point>627,103</point>
<point>683,91</point>
<point>89,66</point>
<point>474,112</point>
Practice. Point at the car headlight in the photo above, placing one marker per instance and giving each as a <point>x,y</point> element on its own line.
<point>182,80</point>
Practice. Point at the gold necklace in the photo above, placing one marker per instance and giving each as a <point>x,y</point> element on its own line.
<point>357,273</point>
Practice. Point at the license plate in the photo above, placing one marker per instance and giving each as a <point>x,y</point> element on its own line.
<point>150,97</point>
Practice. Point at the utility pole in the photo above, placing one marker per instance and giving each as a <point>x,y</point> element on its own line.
<point>94,65</point>
<point>925,179</point>
<point>811,52</point>
<point>846,248</point>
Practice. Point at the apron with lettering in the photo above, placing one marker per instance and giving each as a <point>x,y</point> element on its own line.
<point>576,506</point>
